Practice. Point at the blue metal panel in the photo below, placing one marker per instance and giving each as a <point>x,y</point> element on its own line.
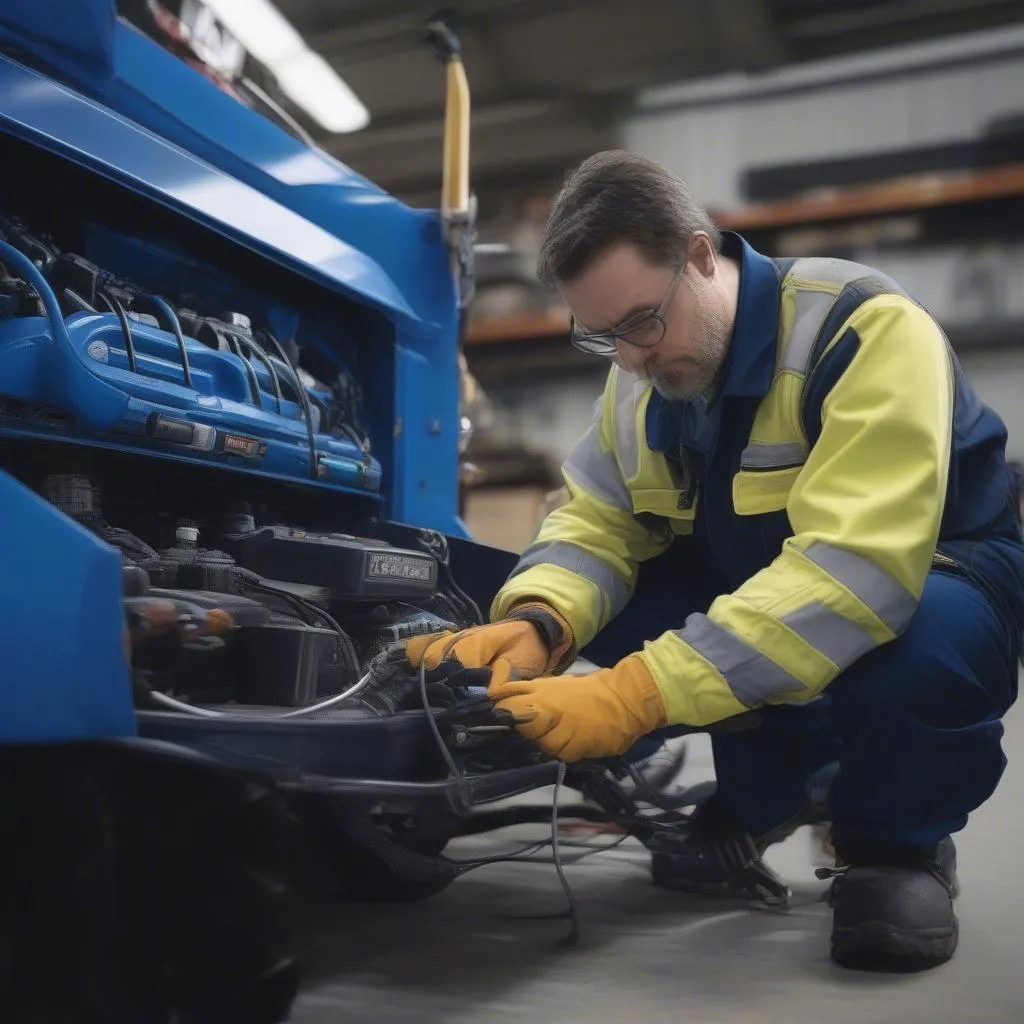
<point>161,92</point>
<point>64,676</point>
<point>62,121</point>
<point>75,38</point>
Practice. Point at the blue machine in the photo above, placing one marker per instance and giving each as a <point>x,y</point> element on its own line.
<point>194,302</point>
<point>229,426</point>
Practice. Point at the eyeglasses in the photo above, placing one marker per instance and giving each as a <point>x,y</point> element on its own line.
<point>644,329</point>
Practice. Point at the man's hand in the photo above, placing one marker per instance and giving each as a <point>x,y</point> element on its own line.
<point>529,642</point>
<point>573,718</point>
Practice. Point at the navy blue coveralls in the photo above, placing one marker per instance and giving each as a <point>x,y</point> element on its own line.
<point>915,725</point>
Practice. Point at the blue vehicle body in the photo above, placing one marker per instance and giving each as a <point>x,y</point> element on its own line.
<point>365,280</point>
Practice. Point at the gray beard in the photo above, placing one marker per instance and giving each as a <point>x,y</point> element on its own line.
<point>716,332</point>
<point>685,391</point>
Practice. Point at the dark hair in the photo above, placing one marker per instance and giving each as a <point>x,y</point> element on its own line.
<point>617,197</point>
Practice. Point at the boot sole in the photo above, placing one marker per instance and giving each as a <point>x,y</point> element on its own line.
<point>877,946</point>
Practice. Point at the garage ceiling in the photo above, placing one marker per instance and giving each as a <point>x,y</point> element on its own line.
<point>551,79</point>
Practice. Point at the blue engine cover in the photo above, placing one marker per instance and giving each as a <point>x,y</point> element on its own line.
<point>70,379</point>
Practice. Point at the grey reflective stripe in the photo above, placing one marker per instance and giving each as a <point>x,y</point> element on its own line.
<point>627,389</point>
<point>811,309</point>
<point>753,678</point>
<point>772,455</point>
<point>832,634</point>
<point>596,471</point>
<point>833,271</point>
<point>574,558</point>
<point>885,596</point>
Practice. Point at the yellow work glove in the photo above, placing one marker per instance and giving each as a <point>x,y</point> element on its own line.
<point>573,718</point>
<point>531,641</point>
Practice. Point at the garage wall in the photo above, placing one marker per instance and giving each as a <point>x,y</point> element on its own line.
<point>710,132</point>
<point>998,377</point>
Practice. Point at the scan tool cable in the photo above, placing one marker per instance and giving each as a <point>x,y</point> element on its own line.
<point>573,913</point>
<point>192,709</point>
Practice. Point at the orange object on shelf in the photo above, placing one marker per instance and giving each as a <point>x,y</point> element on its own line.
<point>901,195</point>
<point>534,324</point>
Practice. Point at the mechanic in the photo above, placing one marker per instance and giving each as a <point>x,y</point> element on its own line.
<point>789,499</point>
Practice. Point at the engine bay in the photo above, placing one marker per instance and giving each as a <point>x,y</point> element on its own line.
<point>205,414</point>
<point>229,610</point>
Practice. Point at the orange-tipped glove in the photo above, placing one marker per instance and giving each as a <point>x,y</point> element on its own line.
<point>573,718</point>
<point>532,640</point>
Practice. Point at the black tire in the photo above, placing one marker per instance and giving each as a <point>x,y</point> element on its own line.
<point>147,886</point>
<point>372,862</point>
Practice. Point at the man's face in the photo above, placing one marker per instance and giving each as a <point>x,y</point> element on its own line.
<point>621,283</point>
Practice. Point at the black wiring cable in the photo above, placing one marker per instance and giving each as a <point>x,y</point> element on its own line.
<point>453,768</point>
<point>306,609</point>
<point>526,855</point>
<point>307,410</point>
<point>126,328</point>
<point>275,381</point>
<point>250,373</point>
<point>556,852</point>
<point>73,296</point>
<point>436,544</point>
<point>172,319</point>
<point>468,603</point>
<point>456,773</point>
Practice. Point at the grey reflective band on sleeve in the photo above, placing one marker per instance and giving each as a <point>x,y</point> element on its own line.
<point>885,596</point>
<point>574,558</point>
<point>752,676</point>
<point>773,455</point>
<point>831,634</point>
<point>811,309</point>
<point>597,472</point>
<point>813,306</point>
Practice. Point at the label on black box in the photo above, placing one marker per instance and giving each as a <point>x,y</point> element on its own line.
<point>388,565</point>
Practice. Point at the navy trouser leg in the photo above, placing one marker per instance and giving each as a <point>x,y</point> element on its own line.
<point>920,720</point>
<point>763,775</point>
<point>915,726</point>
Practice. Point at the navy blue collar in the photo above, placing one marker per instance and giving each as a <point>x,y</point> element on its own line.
<point>750,363</point>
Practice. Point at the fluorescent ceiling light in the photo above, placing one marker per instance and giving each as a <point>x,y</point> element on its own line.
<point>315,86</point>
<point>260,27</point>
<point>308,80</point>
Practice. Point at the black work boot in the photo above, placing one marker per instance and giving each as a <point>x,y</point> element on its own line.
<point>892,910</point>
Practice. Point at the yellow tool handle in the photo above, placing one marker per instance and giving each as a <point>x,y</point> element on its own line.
<point>455,180</point>
<point>455,173</point>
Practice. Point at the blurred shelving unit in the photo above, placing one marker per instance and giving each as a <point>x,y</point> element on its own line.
<point>903,195</point>
<point>921,213</point>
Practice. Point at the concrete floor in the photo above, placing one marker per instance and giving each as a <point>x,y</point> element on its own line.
<point>652,956</point>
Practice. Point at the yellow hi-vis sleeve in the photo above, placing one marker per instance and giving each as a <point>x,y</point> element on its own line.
<point>865,511</point>
<point>583,561</point>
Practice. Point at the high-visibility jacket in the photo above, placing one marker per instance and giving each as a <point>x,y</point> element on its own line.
<point>843,456</point>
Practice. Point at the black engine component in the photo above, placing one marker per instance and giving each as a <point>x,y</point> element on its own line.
<point>386,625</point>
<point>283,645</point>
<point>187,565</point>
<point>352,568</point>
<point>290,663</point>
